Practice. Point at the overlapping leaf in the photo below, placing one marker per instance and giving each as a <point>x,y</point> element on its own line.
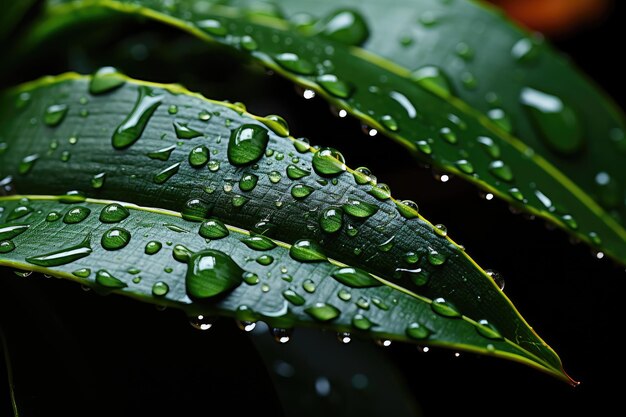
<point>417,109</point>
<point>110,137</point>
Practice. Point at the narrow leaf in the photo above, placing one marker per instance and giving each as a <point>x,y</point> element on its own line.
<point>387,239</point>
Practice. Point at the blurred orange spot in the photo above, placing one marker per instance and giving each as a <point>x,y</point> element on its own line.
<point>553,16</point>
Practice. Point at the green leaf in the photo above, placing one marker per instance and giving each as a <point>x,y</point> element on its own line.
<point>407,257</point>
<point>12,13</point>
<point>417,109</point>
<point>215,279</point>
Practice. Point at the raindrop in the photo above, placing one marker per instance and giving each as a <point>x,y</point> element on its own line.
<point>55,114</point>
<point>10,231</point>
<point>345,26</point>
<point>359,209</point>
<point>160,289</point>
<point>113,213</point>
<point>195,210</point>
<point>355,278</point>
<point>162,154</point>
<point>248,182</point>
<point>27,163</point>
<point>296,173</point>
<point>265,260</point>
<point>488,330</point>
<point>281,335</point>
<point>199,156</point>
<point>433,79</point>
<point>333,85</point>
<point>185,132</point>
<point>62,256</point>
<point>361,322</point>
<point>104,80</point>
<point>247,144</point>
<point>444,308</point>
<point>76,215</point>
<point>435,258</point>
<point>294,63</point>
<point>258,242</point>
<point>153,247</point>
<point>501,119</point>
<point>211,273</point>
<point>162,176</point>
<point>407,208</point>
<point>496,277</point>
<point>6,246</point>
<point>97,181</point>
<point>305,250</point>
<point>105,279</point>
<point>115,238</point>
<point>501,171</point>
<point>293,297</point>
<point>465,166</point>
<point>213,229</point>
<point>323,312</point>
<point>441,230</point>
<point>130,130</point>
<point>417,331</point>
<point>212,27</point>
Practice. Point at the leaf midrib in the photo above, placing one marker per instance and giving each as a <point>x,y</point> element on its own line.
<point>282,244</point>
<point>280,24</point>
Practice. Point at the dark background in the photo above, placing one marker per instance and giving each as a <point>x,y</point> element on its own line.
<point>76,353</point>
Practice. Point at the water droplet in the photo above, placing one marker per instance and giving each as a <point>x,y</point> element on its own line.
<point>417,331</point>
<point>172,109</point>
<point>247,144</point>
<point>265,260</point>
<point>153,247</point>
<point>238,200</point>
<point>97,181</point>
<point>248,43</point>
<point>183,131</point>
<point>162,154</point>
<point>309,286</point>
<point>387,245</point>
<point>433,79</point>
<point>27,163</point>
<point>293,297</point>
<point>411,257</point>
<point>305,250</point>
<point>380,304</point>
<point>212,27</point>
<point>113,213</point>
<point>407,208</point>
<point>469,80</point>
<point>295,173</point>
<point>359,209</point>
<point>328,162</point>
<point>211,273</point>
<point>10,231</point>
<point>213,229</point>
<point>160,289</point>
<point>361,322</point>
<point>464,51</point>
<point>352,231</point>
<point>609,190</point>
<point>501,119</point>
<point>501,171</point>
<point>202,322</point>
<point>331,219</point>
<point>277,124</point>
<point>6,246</point>
<point>62,256</point>
<point>428,18</point>
<point>441,230</point>
<point>22,274</point>
<point>435,258</point>
<point>569,221</point>
<point>525,50</point>
<point>556,122</point>
<point>281,335</point>
<point>199,156</point>
<point>323,312</point>
<point>53,216</point>
<point>294,63</point>
<point>248,182</point>
<point>115,238</point>
<point>344,295</point>
<point>105,279</point>
<point>490,147</point>
<point>76,215</point>
<point>301,191</point>
<point>104,80</point>
<point>345,26</point>
<point>488,330</point>
<point>334,86</point>
<point>246,326</point>
<point>363,175</point>
<point>250,278</point>
<point>516,194</point>
<point>363,303</point>
<point>595,239</point>
<point>389,122</point>
<point>496,277</point>
<point>258,242</point>
<point>82,273</point>
<point>465,166</point>
<point>55,114</point>
<point>418,276</point>
<point>448,135</point>
<point>355,278</point>
<point>162,176</point>
<point>130,130</point>
<point>444,308</point>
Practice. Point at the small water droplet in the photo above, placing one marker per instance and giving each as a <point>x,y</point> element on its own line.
<point>444,308</point>
<point>162,154</point>
<point>331,219</point>
<point>501,171</point>
<point>496,277</point>
<point>432,78</point>
<point>10,231</point>
<point>76,215</point>
<point>516,194</point>
<point>407,208</point>
<point>202,322</point>
<point>160,289</point>
<point>323,312</point>
<point>104,80</point>
<point>281,335</point>
<point>525,50</point>
<point>305,250</point>
<point>335,86</point>
<point>359,209</point>
<point>212,27</point>
<point>296,173</point>
<point>248,182</point>
<point>435,258</point>
<point>424,147</point>
<point>265,260</point>
<point>97,181</point>
<point>258,242</point>
<point>417,331</point>
<point>389,122</point>
<point>6,246</point>
<point>130,130</point>
<point>198,156</point>
<point>301,191</point>
<point>115,238</point>
<point>441,230</point>
<point>484,328</point>
<point>55,114</point>
<point>361,322</point>
<point>53,216</point>
<point>105,279</point>
<point>27,163</point>
<point>501,119</point>
<point>345,26</point>
<point>82,273</point>
<point>293,297</point>
<point>344,295</point>
<point>62,256</point>
<point>294,63</point>
<point>153,247</point>
<point>162,176</point>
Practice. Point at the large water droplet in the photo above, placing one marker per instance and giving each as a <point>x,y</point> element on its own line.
<point>361,322</point>
<point>162,154</point>
<point>556,122</point>
<point>331,219</point>
<point>247,144</point>
<point>105,279</point>
<point>213,229</point>
<point>295,173</point>
<point>162,176</point>
<point>115,238</point>
<point>417,331</point>
<point>354,277</point>
<point>62,256</point>
<point>153,247</point>
<point>323,312</point>
<point>104,80</point>
<point>294,63</point>
<point>130,130</point>
<point>301,191</point>
<point>407,208</point>
<point>265,260</point>
<point>211,273</point>
<point>307,251</point>
<point>277,124</point>
<point>328,162</point>
<point>113,213</point>
<point>76,215</point>
<point>199,156</point>
<point>359,209</point>
<point>248,182</point>
<point>6,246</point>
<point>335,86</point>
<point>444,308</point>
<point>55,114</point>
<point>432,78</point>
<point>195,210</point>
<point>345,26</point>
<point>9,231</point>
<point>160,289</point>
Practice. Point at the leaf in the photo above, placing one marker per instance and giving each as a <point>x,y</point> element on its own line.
<point>12,13</point>
<point>335,225</point>
<point>416,109</point>
<point>284,291</point>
